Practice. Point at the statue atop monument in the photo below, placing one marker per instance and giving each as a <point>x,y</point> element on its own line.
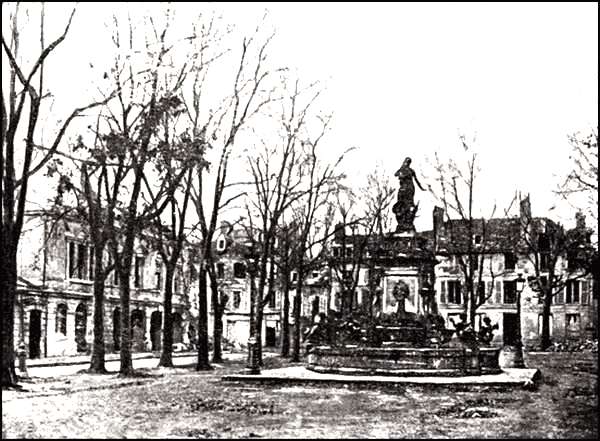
<point>405,208</point>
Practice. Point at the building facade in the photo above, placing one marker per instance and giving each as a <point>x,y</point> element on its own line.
<point>499,245</point>
<point>234,268</point>
<point>54,307</point>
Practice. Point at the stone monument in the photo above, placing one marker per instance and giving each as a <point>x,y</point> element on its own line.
<point>406,336</point>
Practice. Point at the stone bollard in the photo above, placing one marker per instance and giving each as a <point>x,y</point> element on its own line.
<point>473,366</point>
<point>22,357</point>
<point>252,367</point>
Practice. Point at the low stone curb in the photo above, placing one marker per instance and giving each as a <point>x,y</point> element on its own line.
<point>526,378</point>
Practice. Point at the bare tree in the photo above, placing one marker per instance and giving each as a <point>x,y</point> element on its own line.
<point>583,178</point>
<point>169,238</point>
<point>220,130</point>
<point>284,254</point>
<point>557,257</point>
<point>277,179</point>
<point>367,224</point>
<point>24,86</point>
<point>131,132</point>
<point>469,238</point>
<point>322,181</point>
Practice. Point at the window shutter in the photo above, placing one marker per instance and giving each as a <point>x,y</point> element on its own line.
<point>443,292</point>
<point>585,293</point>
<point>488,292</point>
<point>498,292</point>
<point>560,296</point>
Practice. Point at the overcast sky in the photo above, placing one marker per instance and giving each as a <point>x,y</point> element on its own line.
<point>406,79</point>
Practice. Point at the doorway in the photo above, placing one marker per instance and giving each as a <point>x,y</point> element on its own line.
<point>155,327</point>
<point>138,331</point>
<point>81,327</point>
<point>35,333</point>
<point>177,327</point>
<point>510,326</point>
<point>270,337</point>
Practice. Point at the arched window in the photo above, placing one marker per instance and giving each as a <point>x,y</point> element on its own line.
<point>61,319</point>
<point>81,327</point>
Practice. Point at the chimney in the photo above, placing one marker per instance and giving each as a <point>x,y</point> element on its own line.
<point>580,221</point>
<point>339,232</point>
<point>225,228</point>
<point>525,211</point>
<point>438,224</point>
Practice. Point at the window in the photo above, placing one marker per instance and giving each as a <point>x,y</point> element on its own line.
<point>158,275</point>
<point>544,261</point>
<point>220,270</point>
<point>71,247</point>
<point>347,275</point>
<point>221,244</point>
<point>239,270</point>
<point>237,299</point>
<point>585,292</point>
<point>477,239</point>
<point>61,319</point>
<point>572,322</point>
<point>443,291</point>
<point>510,260</point>
<point>454,292</point>
<point>139,266</point>
<point>349,251</point>
<point>294,276</point>
<point>336,251</point>
<point>80,261</point>
<point>315,274</point>
<point>572,294</point>
<point>272,298</point>
<point>510,291</point>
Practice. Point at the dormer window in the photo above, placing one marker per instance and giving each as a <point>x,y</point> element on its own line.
<point>221,244</point>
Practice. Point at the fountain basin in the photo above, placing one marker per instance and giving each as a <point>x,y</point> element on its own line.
<point>401,361</point>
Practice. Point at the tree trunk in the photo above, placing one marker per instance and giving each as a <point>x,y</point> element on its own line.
<point>546,309</point>
<point>97,364</point>
<point>126,368</point>
<point>218,322</point>
<point>285,319</point>
<point>8,284</point>
<point>202,363</point>
<point>166,356</point>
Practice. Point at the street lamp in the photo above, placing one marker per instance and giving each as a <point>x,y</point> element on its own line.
<point>252,365</point>
<point>519,361</point>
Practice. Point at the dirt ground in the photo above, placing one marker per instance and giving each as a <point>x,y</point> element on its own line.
<point>183,403</point>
